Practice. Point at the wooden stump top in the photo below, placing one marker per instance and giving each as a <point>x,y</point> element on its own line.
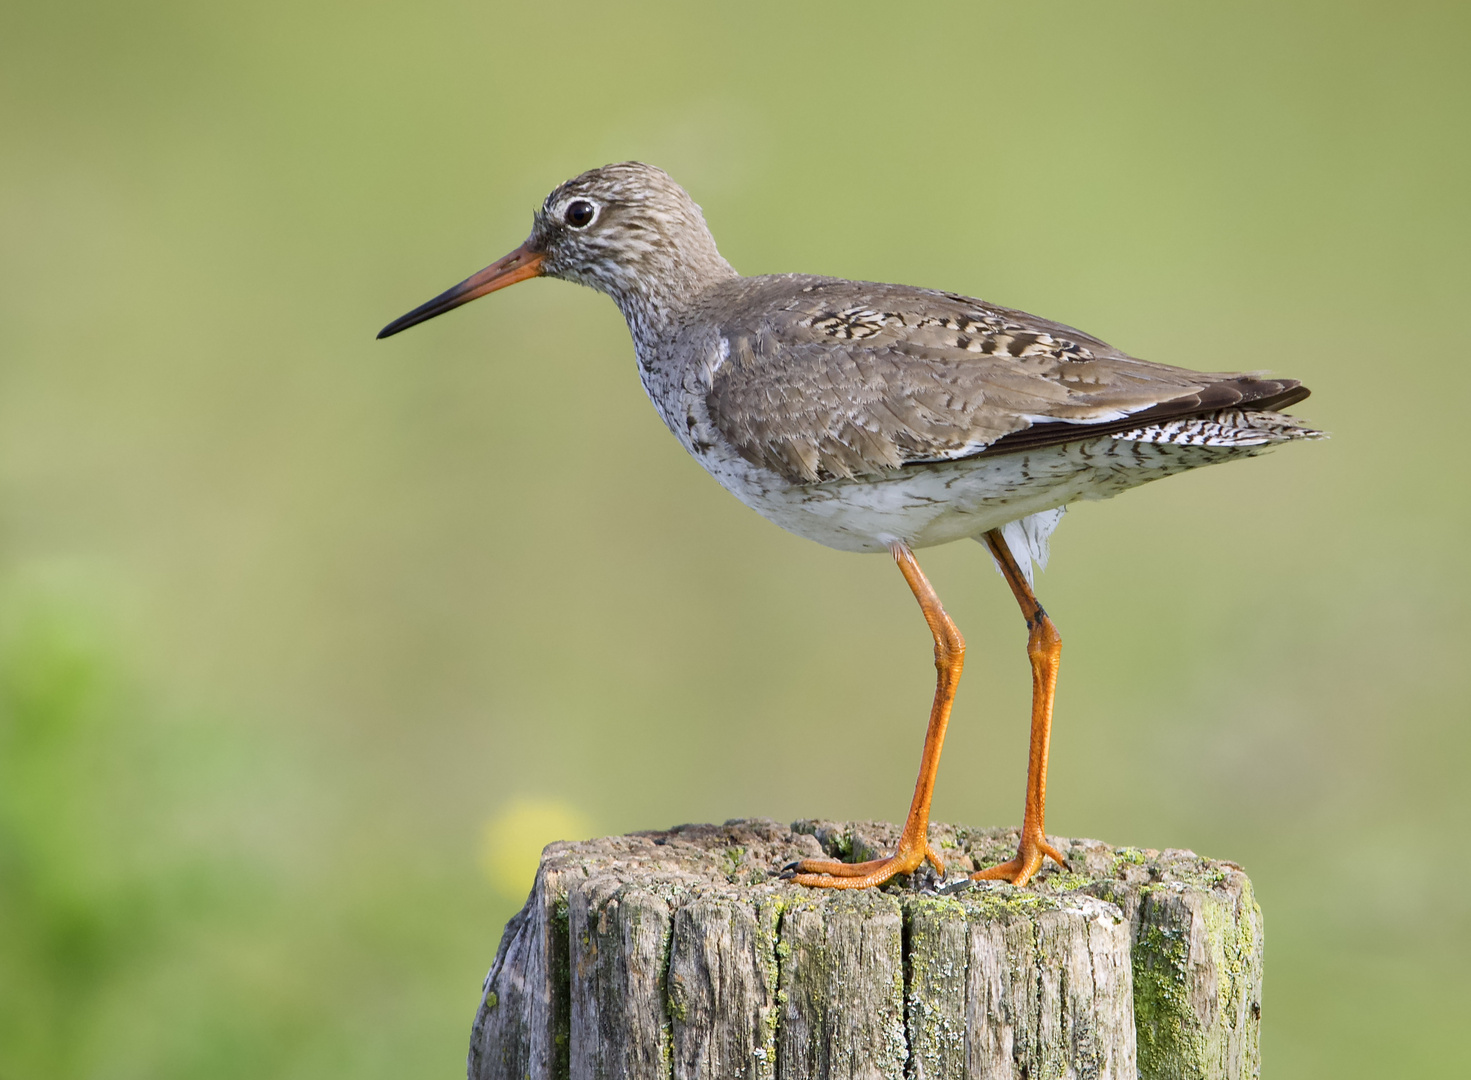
<point>680,954</point>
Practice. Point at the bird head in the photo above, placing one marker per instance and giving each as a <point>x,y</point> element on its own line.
<point>627,230</point>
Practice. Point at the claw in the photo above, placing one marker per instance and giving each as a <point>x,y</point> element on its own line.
<point>933,855</point>
<point>926,881</point>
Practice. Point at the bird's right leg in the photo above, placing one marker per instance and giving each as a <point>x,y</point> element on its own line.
<point>914,846</point>
<point>1044,649</point>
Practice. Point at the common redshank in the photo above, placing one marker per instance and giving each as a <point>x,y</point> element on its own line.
<point>875,417</point>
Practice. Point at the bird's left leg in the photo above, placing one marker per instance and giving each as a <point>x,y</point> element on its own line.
<point>914,846</point>
<point>1044,649</point>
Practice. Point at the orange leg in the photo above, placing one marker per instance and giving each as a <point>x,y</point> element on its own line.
<point>1044,648</point>
<point>914,846</point>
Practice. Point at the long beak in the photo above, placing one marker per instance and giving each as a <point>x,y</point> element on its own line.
<point>517,266</point>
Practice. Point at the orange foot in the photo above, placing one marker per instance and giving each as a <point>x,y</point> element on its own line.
<point>1029,855</point>
<point>831,874</point>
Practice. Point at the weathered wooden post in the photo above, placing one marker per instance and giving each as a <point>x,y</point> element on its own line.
<point>675,955</point>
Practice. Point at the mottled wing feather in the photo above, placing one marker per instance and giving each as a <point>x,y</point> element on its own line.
<point>822,378</point>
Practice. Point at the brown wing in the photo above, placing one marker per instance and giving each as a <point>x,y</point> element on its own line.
<point>822,378</point>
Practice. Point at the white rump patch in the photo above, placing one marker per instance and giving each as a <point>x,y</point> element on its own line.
<point>1028,539</point>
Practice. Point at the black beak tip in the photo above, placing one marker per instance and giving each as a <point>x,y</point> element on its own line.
<point>403,322</point>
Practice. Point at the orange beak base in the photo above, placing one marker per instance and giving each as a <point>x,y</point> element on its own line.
<point>517,266</point>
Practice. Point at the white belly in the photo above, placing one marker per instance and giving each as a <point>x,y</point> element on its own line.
<point>924,505</point>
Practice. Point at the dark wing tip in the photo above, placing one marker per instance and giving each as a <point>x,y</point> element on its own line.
<point>1292,392</point>
<point>1232,392</point>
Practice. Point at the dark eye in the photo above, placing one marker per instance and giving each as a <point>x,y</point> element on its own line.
<point>579,213</point>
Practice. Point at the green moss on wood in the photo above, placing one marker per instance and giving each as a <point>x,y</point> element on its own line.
<point>1128,856</point>
<point>1169,1044</point>
<point>1000,901</point>
<point>678,1003</point>
<point>560,933</point>
<point>1064,881</point>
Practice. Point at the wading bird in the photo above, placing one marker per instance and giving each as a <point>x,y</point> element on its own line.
<point>876,417</point>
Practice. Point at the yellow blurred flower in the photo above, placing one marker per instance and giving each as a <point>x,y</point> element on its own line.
<point>511,841</point>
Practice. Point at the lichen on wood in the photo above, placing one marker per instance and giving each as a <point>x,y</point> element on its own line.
<point>680,954</point>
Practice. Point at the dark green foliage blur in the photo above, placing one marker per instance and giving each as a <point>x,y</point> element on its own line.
<point>308,641</point>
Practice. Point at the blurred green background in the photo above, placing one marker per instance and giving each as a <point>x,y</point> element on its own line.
<point>308,642</point>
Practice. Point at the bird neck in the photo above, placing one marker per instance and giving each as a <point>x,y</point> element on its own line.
<point>666,283</point>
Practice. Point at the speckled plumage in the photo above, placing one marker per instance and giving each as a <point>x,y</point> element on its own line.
<point>857,413</point>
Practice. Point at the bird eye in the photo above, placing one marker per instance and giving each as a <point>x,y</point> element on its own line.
<point>579,213</point>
